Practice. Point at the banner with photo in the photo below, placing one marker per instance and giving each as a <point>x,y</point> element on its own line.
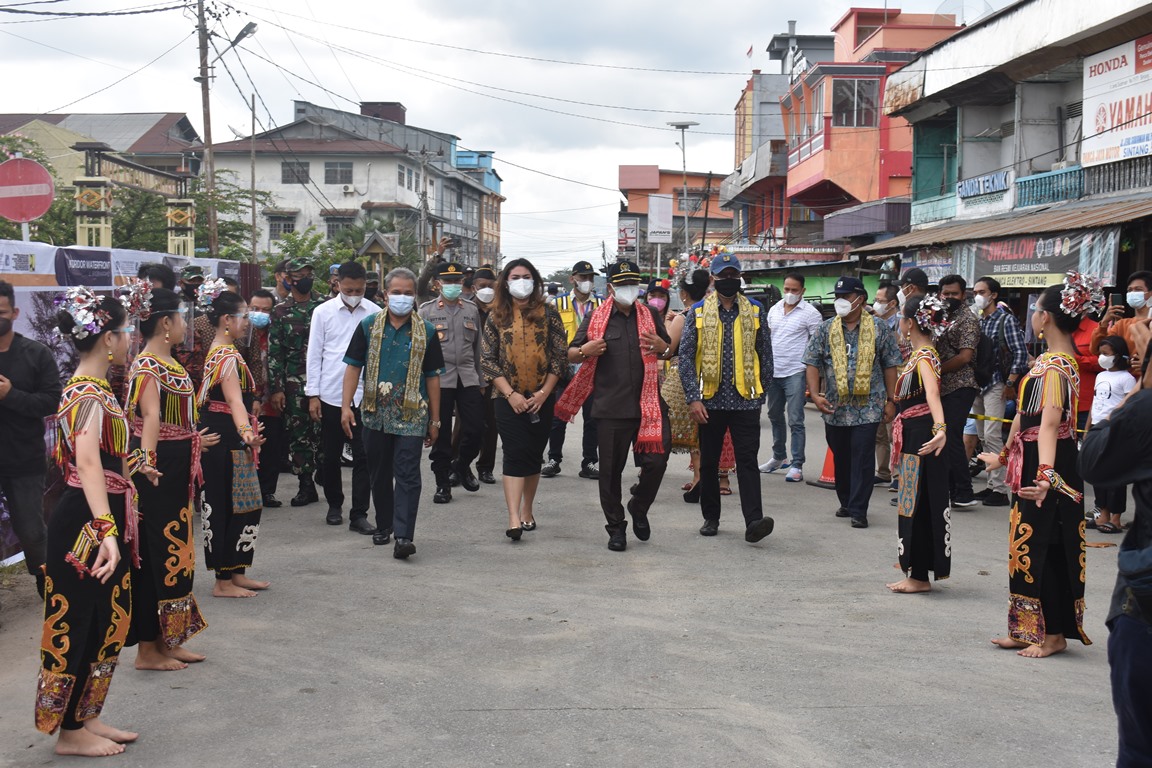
<point>1037,261</point>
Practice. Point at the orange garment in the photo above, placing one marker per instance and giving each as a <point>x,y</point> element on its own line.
<point>1084,340</point>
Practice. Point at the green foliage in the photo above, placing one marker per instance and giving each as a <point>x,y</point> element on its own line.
<point>562,276</point>
<point>56,226</point>
<point>352,238</point>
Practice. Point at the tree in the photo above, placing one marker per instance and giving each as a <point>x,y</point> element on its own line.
<point>353,236</point>
<point>562,276</point>
<point>56,226</point>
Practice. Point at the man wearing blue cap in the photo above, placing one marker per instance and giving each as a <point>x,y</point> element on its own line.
<point>857,356</point>
<point>725,367</point>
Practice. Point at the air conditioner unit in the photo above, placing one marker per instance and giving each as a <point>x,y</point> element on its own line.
<point>459,214</point>
<point>1063,165</point>
<point>348,189</point>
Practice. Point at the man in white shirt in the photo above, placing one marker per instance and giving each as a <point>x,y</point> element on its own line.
<point>886,308</point>
<point>329,333</point>
<point>792,322</point>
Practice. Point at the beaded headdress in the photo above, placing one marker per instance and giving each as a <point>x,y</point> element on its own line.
<point>208,291</point>
<point>1082,295</point>
<point>136,296</point>
<point>680,271</point>
<point>84,307</point>
<point>932,316</point>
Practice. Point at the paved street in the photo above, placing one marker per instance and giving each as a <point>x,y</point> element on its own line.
<point>682,651</point>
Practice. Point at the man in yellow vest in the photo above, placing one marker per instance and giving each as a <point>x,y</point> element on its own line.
<point>726,367</point>
<point>573,307</point>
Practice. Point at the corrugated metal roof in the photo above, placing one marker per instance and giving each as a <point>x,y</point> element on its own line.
<point>1055,218</point>
<point>119,131</point>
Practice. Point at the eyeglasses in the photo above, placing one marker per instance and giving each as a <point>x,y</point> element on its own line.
<point>240,315</point>
<point>182,311</point>
<point>1034,307</point>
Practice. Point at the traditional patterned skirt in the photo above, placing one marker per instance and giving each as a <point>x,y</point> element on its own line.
<point>86,623</point>
<point>230,514</point>
<point>925,522</point>
<point>685,435</point>
<point>163,604</point>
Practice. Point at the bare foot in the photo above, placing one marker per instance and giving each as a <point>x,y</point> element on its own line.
<point>246,583</point>
<point>910,586</point>
<point>183,654</point>
<point>1052,645</point>
<point>229,589</point>
<point>1008,642</point>
<point>85,743</point>
<point>150,656</point>
<point>100,728</point>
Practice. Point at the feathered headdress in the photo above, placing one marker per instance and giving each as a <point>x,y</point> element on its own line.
<point>932,316</point>
<point>84,307</point>
<point>136,296</point>
<point>1082,295</point>
<point>680,271</point>
<point>208,291</point>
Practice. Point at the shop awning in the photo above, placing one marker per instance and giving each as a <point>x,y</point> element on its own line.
<point>1053,218</point>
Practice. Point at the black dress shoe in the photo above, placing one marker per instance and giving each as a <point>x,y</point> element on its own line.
<point>335,516</point>
<point>306,495</point>
<point>710,528</point>
<point>759,529</point>
<point>468,480</point>
<point>403,549</point>
<point>640,525</point>
<point>454,478</point>
<point>486,477</point>
<point>443,494</point>
<point>843,512</point>
<point>528,526</point>
<point>380,538</point>
<point>271,502</point>
<point>618,541</point>
<point>361,525</point>
<point>859,522</point>
<point>514,533</point>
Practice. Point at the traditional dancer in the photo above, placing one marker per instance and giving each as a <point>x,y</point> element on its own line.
<point>918,437</point>
<point>232,502</point>
<point>162,414</point>
<point>88,584</point>
<point>1046,541</point>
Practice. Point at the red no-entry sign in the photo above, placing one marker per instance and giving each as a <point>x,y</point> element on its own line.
<point>26,190</point>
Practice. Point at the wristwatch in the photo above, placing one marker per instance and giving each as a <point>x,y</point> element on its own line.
<point>434,424</point>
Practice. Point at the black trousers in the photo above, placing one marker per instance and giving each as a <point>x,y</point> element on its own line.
<point>271,453</point>
<point>331,448</point>
<point>560,430</point>
<point>25,495</point>
<point>745,429</point>
<point>616,437</point>
<point>486,462</point>
<point>854,459</point>
<point>468,404</point>
<point>957,405</point>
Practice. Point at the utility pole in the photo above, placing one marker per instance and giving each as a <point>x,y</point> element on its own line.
<point>252,144</point>
<point>208,167</point>
<point>683,126</point>
<point>423,203</point>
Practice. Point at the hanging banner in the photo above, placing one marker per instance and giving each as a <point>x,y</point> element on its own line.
<point>1118,103</point>
<point>1037,261</point>
<point>660,218</point>
<point>626,236</point>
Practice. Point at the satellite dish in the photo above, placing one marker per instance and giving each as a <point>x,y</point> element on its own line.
<point>237,133</point>
<point>966,12</point>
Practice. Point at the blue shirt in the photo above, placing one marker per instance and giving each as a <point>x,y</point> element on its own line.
<point>395,347</point>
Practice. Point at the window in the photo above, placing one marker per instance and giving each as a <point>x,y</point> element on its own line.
<point>400,176</point>
<point>336,224</point>
<point>417,181</point>
<point>409,178</point>
<point>854,103</point>
<point>293,172</point>
<point>337,173</point>
<point>278,226</point>
<point>691,204</point>
<point>816,105</point>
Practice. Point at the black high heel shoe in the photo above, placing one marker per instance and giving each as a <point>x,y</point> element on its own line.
<point>692,496</point>
<point>528,526</point>
<point>514,533</point>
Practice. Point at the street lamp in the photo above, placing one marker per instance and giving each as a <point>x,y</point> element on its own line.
<point>683,126</point>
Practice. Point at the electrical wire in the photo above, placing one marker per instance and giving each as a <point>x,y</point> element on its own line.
<point>61,50</point>
<point>86,14</point>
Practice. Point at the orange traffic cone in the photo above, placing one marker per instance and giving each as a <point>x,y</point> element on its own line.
<point>827,475</point>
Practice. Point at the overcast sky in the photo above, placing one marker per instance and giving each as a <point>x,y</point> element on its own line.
<point>445,61</point>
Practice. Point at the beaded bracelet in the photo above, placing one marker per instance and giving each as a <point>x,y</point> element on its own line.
<point>1048,474</point>
<point>938,428</point>
<point>244,429</point>
<point>105,525</point>
<point>139,459</point>
<point>1004,457</point>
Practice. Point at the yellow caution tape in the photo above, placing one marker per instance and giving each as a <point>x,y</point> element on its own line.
<point>982,417</point>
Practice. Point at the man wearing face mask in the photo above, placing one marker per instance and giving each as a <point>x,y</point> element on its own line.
<point>886,308</point>
<point>958,386</point>
<point>280,275</point>
<point>726,367</point>
<point>792,321</point>
<point>621,345</point>
<point>856,356</point>
<point>483,294</point>
<point>287,366</point>
<point>573,307</point>
<point>913,283</point>
<point>189,351</point>
<point>29,392</point>
<point>1134,330</point>
<point>333,323</point>
<point>255,354</point>
<point>371,286</point>
<point>457,324</point>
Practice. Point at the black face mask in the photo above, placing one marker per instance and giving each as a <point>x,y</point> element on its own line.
<point>190,291</point>
<point>370,293</point>
<point>304,284</point>
<point>728,287</point>
<point>5,326</point>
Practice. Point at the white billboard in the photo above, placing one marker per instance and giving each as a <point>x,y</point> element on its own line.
<point>1118,103</point>
<point>626,236</point>
<point>659,218</point>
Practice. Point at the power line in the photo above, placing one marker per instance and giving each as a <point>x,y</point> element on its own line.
<point>558,210</point>
<point>59,50</point>
<point>78,14</point>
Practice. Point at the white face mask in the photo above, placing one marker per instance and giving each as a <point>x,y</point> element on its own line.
<point>980,302</point>
<point>401,305</point>
<point>791,299</point>
<point>352,301</point>
<point>485,295</point>
<point>626,295</point>
<point>900,299</point>
<point>1106,361</point>
<point>879,307</point>
<point>843,307</point>
<point>584,287</point>
<point>521,289</point>
<point>1135,299</point>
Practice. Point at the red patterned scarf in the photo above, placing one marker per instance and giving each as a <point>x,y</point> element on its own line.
<point>651,437</point>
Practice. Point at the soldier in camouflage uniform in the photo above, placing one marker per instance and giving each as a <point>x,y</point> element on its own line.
<point>287,359</point>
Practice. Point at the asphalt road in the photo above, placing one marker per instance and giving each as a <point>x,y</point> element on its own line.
<point>681,651</point>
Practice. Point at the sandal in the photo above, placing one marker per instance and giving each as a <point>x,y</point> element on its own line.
<point>725,491</point>
<point>1108,528</point>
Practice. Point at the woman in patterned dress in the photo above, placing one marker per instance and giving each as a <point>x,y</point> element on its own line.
<point>925,524</point>
<point>1046,554</point>
<point>230,515</point>
<point>162,414</point>
<point>91,537</point>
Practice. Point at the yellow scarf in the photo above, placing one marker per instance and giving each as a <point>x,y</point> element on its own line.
<point>419,334</point>
<point>865,355</point>
<point>710,343</point>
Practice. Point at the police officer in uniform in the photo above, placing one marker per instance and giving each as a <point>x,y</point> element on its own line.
<point>457,324</point>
